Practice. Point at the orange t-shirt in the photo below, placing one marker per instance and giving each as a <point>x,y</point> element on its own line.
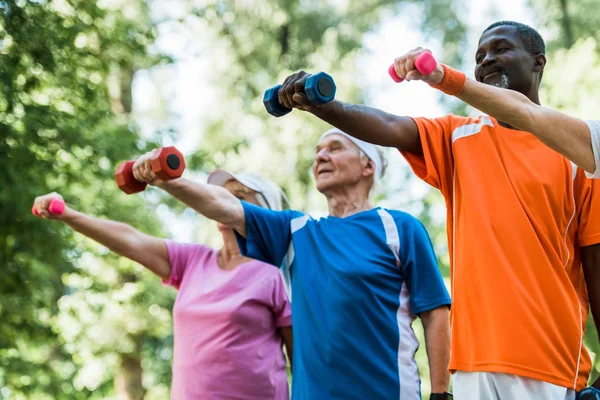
<point>518,212</point>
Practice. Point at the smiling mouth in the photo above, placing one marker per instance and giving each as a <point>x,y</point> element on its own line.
<point>323,172</point>
<point>491,75</point>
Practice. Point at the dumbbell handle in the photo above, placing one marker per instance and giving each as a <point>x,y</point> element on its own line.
<point>166,162</point>
<point>56,207</point>
<point>425,64</point>
<point>319,88</point>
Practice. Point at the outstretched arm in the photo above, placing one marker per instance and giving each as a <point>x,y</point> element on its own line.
<point>366,123</point>
<point>565,134</point>
<point>121,238</point>
<point>214,202</point>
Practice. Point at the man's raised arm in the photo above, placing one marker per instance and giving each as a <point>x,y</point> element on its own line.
<point>365,123</point>
<point>565,134</point>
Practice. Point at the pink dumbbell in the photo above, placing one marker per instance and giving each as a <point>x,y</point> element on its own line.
<point>57,207</point>
<point>425,64</point>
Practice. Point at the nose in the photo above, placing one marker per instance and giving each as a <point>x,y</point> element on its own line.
<point>488,59</point>
<point>322,155</point>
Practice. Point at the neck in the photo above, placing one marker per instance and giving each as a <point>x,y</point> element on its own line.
<point>347,202</point>
<point>230,254</point>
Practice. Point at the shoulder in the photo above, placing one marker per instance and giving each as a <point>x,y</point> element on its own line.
<point>450,123</point>
<point>456,120</point>
<point>404,221</point>
<point>399,216</point>
<point>187,249</point>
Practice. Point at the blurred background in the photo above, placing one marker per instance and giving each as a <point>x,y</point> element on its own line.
<point>87,84</point>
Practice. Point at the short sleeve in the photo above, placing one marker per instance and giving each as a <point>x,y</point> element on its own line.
<point>420,268</point>
<point>280,303</point>
<point>181,258</point>
<point>587,202</point>
<point>436,164</point>
<point>268,234</point>
<point>595,136</point>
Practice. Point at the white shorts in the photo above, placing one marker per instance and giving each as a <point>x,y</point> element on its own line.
<point>498,386</point>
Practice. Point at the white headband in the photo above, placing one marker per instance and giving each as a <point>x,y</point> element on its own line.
<point>369,149</point>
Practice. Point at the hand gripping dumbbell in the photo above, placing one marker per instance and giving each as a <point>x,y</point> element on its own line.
<point>167,163</point>
<point>56,206</point>
<point>425,64</point>
<point>319,88</point>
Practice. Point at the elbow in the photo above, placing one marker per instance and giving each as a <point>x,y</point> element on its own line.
<point>436,319</point>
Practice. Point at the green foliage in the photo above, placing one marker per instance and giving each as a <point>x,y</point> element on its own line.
<point>64,71</point>
<point>255,45</point>
<point>568,20</point>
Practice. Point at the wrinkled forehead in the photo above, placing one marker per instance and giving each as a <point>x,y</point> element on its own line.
<point>335,138</point>
<point>504,33</point>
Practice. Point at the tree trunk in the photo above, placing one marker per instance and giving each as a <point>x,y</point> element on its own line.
<point>566,24</point>
<point>128,382</point>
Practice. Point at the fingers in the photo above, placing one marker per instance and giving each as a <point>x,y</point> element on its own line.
<point>291,94</point>
<point>414,75</point>
<point>41,205</point>
<point>142,168</point>
<point>405,65</point>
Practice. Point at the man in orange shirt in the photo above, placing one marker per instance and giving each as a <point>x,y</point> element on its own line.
<point>519,227</point>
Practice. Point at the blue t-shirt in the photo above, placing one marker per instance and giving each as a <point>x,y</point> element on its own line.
<point>356,285</point>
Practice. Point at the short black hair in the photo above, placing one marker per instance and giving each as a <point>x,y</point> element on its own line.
<point>532,40</point>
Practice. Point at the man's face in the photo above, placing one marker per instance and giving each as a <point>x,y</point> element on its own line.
<point>502,61</point>
<point>338,163</point>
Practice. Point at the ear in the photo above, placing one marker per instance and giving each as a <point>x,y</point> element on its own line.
<point>539,63</point>
<point>369,168</point>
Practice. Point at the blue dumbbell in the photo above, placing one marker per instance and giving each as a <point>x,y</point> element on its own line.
<point>319,88</point>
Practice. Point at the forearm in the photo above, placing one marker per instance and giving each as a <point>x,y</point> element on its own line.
<point>372,125</point>
<point>508,106</point>
<point>214,202</point>
<point>117,236</point>
<point>564,134</point>
<point>437,341</point>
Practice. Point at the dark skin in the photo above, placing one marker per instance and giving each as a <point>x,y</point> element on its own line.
<point>590,258</point>
<point>500,52</point>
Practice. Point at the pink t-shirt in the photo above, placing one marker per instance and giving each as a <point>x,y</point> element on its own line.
<point>227,344</point>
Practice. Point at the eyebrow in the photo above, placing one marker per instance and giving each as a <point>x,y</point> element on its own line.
<point>334,141</point>
<point>496,42</point>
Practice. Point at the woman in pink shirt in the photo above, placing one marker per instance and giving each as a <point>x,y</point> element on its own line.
<point>231,314</point>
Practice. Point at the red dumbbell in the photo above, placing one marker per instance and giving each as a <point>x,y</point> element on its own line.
<point>425,64</point>
<point>57,206</point>
<point>167,163</point>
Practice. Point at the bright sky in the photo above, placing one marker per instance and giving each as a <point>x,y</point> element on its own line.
<point>183,87</point>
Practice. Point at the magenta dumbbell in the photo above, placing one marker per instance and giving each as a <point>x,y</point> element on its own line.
<point>57,207</point>
<point>425,64</point>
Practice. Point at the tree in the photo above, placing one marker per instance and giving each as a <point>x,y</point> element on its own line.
<point>568,20</point>
<point>65,75</point>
